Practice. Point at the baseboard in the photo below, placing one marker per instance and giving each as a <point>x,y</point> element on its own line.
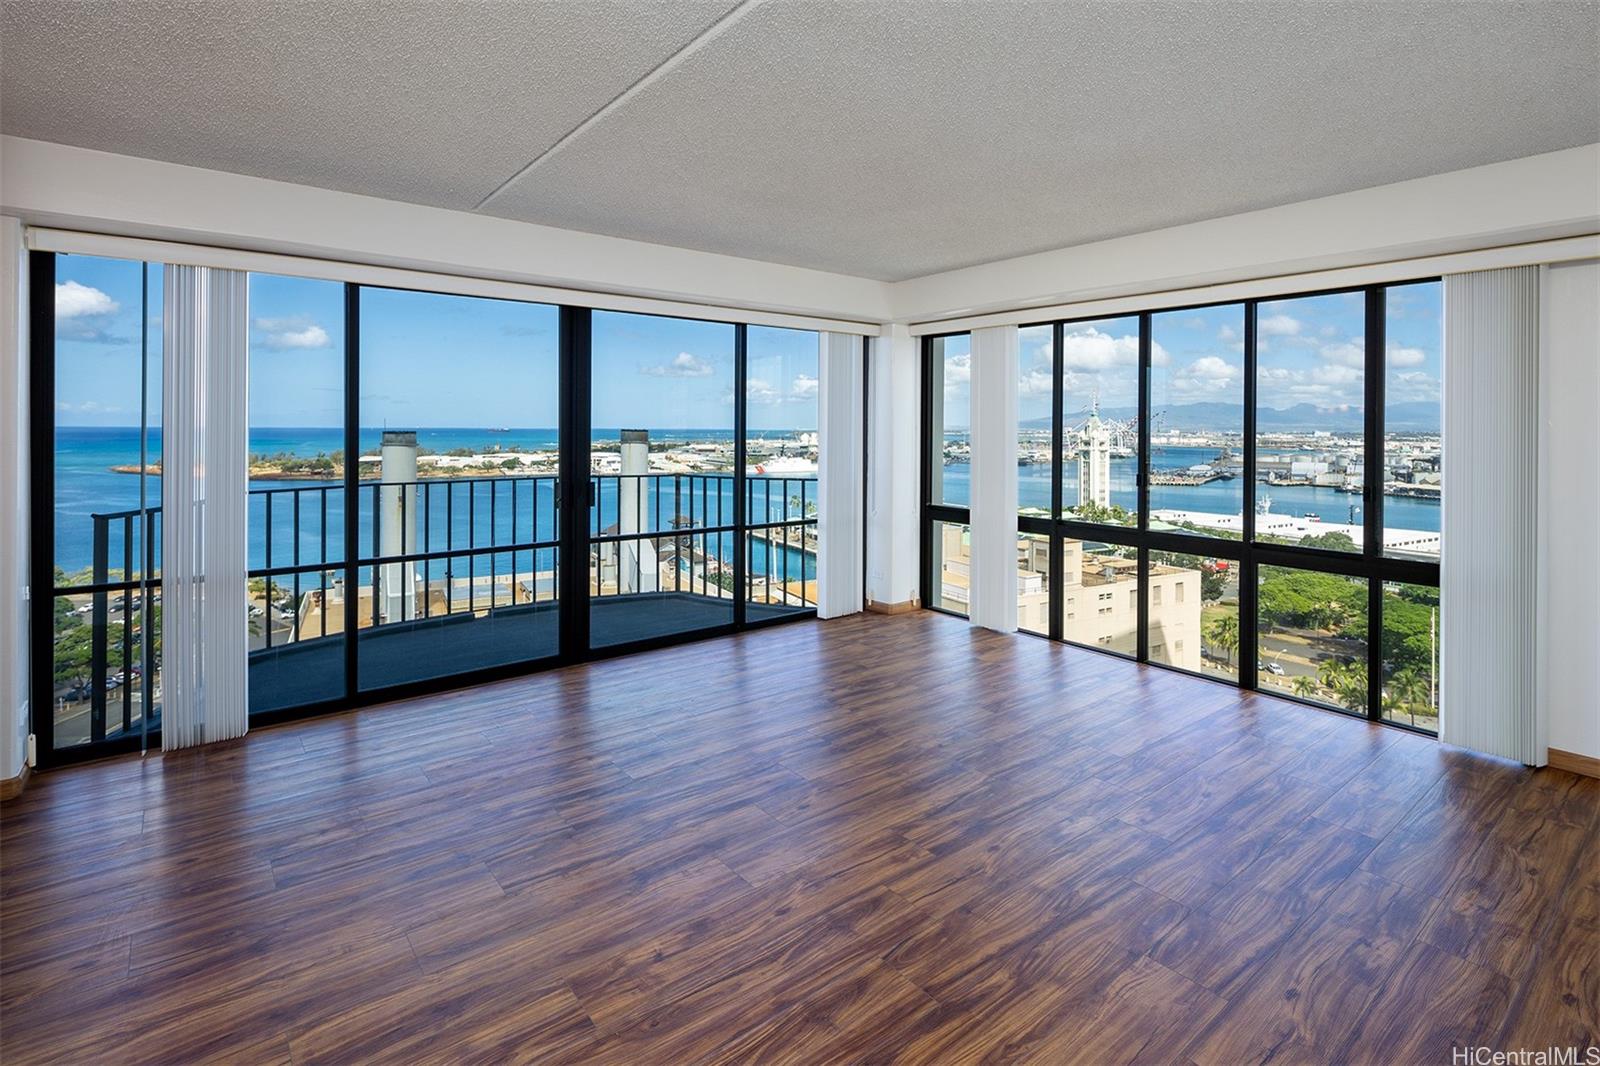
<point>12,787</point>
<point>904,607</point>
<point>1572,762</point>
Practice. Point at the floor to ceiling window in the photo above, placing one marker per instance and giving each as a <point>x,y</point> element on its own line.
<point>410,516</point>
<point>781,452</point>
<point>663,531</point>
<point>456,545</point>
<point>297,505</point>
<point>1242,491</point>
<point>100,452</point>
<point>946,471</point>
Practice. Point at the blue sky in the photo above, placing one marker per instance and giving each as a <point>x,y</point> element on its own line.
<point>98,328</point>
<point>1310,351</point>
<point>429,360</point>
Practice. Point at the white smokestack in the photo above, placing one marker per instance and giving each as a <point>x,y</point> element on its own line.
<point>397,531</point>
<point>637,563</point>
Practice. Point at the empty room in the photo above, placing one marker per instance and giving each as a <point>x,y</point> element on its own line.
<point>678,532</point>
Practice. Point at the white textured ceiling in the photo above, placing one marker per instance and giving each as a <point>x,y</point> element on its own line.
<point>883,138</point>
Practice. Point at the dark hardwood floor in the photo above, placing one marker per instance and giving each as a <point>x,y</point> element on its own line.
<point>872,839</point>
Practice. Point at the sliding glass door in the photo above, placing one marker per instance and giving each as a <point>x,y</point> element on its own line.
<point>702,497</point>
<point>441,489</point>
<point>456,544</point>
<point>662,460</point>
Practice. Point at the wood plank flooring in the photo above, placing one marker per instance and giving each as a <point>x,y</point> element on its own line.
<point>875,839</point>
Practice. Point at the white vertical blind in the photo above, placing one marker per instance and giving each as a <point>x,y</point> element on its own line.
<point>203,501</point>
<point>1489,565</point>
<point>840,552</point>
<point>993,602</point>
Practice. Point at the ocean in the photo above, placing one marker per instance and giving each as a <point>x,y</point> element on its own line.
<point>87,485</point>
<point>1215,497</point>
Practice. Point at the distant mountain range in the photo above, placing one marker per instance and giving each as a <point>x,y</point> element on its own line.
<point>1301,418</point>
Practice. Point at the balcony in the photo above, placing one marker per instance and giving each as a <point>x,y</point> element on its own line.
<point>453,575</point>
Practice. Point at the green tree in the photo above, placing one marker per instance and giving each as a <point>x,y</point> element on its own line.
<point>74,652</point>
<point>1347,681</point>
<point>1223,632</point>
<point>1340,542</point>
<point>1305,686</point>
<point>1408,692</point>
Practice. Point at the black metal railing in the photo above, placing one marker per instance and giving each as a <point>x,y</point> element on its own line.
<point>457,545</point>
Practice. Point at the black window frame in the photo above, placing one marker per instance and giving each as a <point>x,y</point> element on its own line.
<point>1370,563</point>
<point>574,386</point>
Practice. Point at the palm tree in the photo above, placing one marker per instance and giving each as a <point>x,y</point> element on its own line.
<point>1223,633</point>
<point>1347,681</point>
<point>1305,686</point>
<point>1410,691</point>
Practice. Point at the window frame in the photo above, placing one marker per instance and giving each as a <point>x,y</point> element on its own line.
<point>1246,553</point>
<point>575,349</point>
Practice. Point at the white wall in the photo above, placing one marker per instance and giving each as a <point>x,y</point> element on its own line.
<point>1570,571</point>
<point>76,188</point>
<point>1537,198</point>
<point>13,499</point>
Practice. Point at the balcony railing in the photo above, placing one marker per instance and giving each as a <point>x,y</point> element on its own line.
<point>438,549</point>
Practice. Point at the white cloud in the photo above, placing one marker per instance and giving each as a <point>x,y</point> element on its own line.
<point>1207,376</point>
<point>1336,374</point>
<point>87,407</point>
<point>288,333</point>
<point>759,390</point>
<point>683,365</point>
<point>1090,349</point>
<point>1279,326</point>
<point>1036,381</point>
<point>1406,356</point>
<point>957,370</point>
<point>81,311</point>
<point>1412,386</point>
<point>74,300</point>
<point>803,387</point>
<point>1351,353</point>
<point>1227,334</point>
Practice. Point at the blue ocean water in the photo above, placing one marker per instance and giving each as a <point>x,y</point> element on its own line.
<point>1215,497</point>
<point>451,515</point>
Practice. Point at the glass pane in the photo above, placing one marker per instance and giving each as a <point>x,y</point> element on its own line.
<point>952,396</point>
<point>781,378</point>
<point>1197,421</point>
<point>661,460</point>
<point>1100,605</point>
<point>101,661</point>
<point>459,414</point>
<point>1033,583</point>
<point>1411,655</point>
<point>107,498</point>
<point>1412,421</point>
<point>1035,393</point>
<point>1100,416</point>
<point>296,504</point>
<point>1310,399</point>
<point>1194,613</point>
<point>108,379</point>
<point>952,566</point>
<point>1313,636</point>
